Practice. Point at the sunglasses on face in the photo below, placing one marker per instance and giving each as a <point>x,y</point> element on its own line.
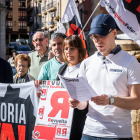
<point>39,39</point>
<point>96,37</point>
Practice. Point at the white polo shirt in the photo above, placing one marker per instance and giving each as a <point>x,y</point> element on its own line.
<point>111,77</point>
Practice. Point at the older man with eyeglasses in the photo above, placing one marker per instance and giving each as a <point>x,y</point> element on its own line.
<point>40,56</point>
<point>115,76</point>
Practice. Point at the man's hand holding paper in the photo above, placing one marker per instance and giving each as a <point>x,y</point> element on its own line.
<point>101,99</point>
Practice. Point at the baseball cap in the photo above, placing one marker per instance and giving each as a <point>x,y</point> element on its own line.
<point>101,24</point>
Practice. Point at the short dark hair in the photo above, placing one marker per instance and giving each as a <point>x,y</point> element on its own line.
<point>14,52</point>
<point>75,41</point>
<point>56,35</point>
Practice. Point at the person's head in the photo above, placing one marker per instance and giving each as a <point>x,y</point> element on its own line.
<point>40,41</point>
<point>22,64</point>
<point>14,54</point>
<point>73,50</point>
<point>57,40</point>
<point>103,32</point>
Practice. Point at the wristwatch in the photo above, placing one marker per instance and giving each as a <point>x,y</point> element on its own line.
<point>111,100</point>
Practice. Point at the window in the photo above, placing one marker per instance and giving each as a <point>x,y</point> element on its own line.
<point>11,3</point>
<point>10,14</point>
<point>55,13</point>
<point>9,24</point>
<point>22,14</point>
<point>22,25</point>
<point>22,4</point>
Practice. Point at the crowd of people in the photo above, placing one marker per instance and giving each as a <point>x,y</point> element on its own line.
<point>111,72</point>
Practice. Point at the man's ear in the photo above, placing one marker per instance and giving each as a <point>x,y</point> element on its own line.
<point>47,40</point>
<point>115,32</point>
<point>33,43</point>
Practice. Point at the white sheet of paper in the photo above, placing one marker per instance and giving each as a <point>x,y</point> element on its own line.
<point>78,88</point>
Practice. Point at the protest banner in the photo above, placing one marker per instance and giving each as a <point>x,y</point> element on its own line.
<point>127,16</point>
<point>18,103</point>
<point>54,115</point>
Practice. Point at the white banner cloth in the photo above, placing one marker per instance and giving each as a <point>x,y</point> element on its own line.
<point>125,19</point>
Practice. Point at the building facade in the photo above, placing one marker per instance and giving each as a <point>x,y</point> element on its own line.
<point>44,15</point>
<point>16,27</point>
<point>32,12</point>
<point>2,29</point>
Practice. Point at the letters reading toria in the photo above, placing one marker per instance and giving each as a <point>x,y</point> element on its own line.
<point>10,113</point>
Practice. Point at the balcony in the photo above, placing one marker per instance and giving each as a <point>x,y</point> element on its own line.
<point>39,15</point>
<point>30,20</point>
<point>43,11</point>
<point>30,7</point>
<point>50,26</point>
<point>44,28</point>
<point>39,0</point>
<point>56,18</point>
<point>51,7</point>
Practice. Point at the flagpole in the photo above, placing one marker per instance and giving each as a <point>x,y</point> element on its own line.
<point>90,17</point>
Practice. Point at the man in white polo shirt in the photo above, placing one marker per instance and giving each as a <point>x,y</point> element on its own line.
<point>115,77</point>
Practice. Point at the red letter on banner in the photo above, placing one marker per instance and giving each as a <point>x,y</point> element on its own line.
<point>21,132</point>
<point>58,131</point>
<point>138,9</point>
<point>60,106</point>
<point>128,1</point>
<point>7,132</point>
<point>64,131</point>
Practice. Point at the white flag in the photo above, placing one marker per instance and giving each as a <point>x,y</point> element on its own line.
<point>127,16</point>
<point>71,23</point>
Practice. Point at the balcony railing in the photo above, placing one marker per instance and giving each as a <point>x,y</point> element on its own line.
<point>51,5</point>
<point>30,6</point>
<point>39,0</point>
<point>30,20</point>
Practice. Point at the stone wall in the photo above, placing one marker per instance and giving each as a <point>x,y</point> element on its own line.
<point>130,46</point>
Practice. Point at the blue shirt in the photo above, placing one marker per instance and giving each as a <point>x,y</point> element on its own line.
<point>49,70</point>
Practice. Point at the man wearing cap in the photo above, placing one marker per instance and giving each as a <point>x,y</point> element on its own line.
<point>114,76</point>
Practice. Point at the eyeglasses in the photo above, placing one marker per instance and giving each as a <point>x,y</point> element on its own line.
<point>39,39</point>
<point>24,66</point>
<point>96,37</point>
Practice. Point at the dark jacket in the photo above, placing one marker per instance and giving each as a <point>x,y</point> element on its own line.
<point>6,74</point>
<point>79,116</point>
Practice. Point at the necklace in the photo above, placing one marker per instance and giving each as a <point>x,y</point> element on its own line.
<point>71,69</point>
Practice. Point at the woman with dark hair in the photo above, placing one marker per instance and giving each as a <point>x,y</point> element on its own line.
<point>73,54</point>
<point>11,61</point>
